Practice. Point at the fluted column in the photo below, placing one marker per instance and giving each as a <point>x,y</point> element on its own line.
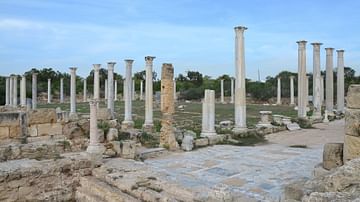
<point>11,92</point>
<point>106,89</point>
<point>115,90</point>
<point>61,90</point>
<point>302,79</point>
<point>292,99</point>
<point>208,114</point>
<point>34,91</point>
<point>95,147</point>
<point>329,81</point>
<point>240,94</point>
<point>222,91</point>
<point>316,80</point>
<point>49,92</point>
<point>110,101</point>
<point>96,81</point>
<point>128,122</point>
<point>84,90</point>
<point>15,94</point>
<point>73,91</point>
<point>141,90</point>
<point>232,91</point>
<point>278,101</point>
<point>7,91</point>
<point>340,82</point>
<point>23,91</point>
<point>148,124</point>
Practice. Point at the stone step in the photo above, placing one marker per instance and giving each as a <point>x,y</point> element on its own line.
<point>93,189</point>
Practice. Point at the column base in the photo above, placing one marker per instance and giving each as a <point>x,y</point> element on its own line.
<point>126,125</point>
<point>207,134</point>
<point>148,127</point>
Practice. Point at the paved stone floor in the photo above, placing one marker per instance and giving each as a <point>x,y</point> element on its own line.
<point>258,172</point>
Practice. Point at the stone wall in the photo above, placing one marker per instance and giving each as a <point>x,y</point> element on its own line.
<point>11,126</point>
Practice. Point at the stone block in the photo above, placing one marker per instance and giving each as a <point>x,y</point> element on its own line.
<point>353,97</point>
<point>320,171</point>
<point>333,155</point>
<point>32,130</point>
<point>294,191</point>
<point>215,139</point>
<point>351,148</point>
<point>187,143</point>
<point>15,131</point>
<point>9,119</point>
<point>4,132</point>
<point>41,116</point>
<point>49,129</point>
<point>201,142</point>
<point>112,134</point>
<point>293,126</point>
<point>128,149</point>
<point>352,122</point>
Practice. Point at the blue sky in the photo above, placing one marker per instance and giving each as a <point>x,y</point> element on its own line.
<point>193,35</point>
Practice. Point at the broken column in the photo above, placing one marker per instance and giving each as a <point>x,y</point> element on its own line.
<point>34,91</point>
<point>7,91</point>
<point>292,99</point>
<point>96,82</point>
<point>148,124</point>
<point>115,90</point>
<point>329,81</point>
<point>167,134</point>
<point>232,91</point>
<point>302,97</point>
<point>15,93</point>
<point>49,92</point>
<point>23,91</point>
<point>222,91</point>
<point>208,114</point>
<point>128,122</point>
<point>316,81</point>
<point>73,92</point>
<point>61,90</point>
<point>95,147</point>
<point>240,94</point>
<point>110,90</point>
<point>84,91</point>
<point>340,81</point>
<point>278,102</point>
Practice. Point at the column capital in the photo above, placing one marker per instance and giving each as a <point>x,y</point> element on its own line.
<point>340,51</point>
<point>129,61</point>
<point>111,66</point>
<point>149,58</point>
<point>329,49</point>
<point>316,44</point>
<point>111,63</point>
<point>73,69</point>
<point>96,67</point>
<point>279,77</point>
<point>49,79</point>
<point>240,28</point>
<point>34,74</point>
<point>301,42</point>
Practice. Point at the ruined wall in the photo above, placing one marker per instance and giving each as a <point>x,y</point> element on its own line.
<point>11,126</point>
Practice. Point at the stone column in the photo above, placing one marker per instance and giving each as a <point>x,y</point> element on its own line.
<point>208,114</point>
<point>84,91</point>
<point>7,91</point>
<point>167,135</point>
<point>95,147</point>
<point>49,92</point>
<point>133,90</point>
<point>340,82</point>
<point>96,81</point>
<point>23,91</point>
<point>115,90</point>
<point>141,90</point>
<point>61,90</point>
<point>222,91</point>
<point>232,91</point>
<point>11,92</point>
<point>148,124</point>
<point>322,94</point>
<point>175,97</point>
<point>329,81</point>
<point>34,91</point>
<point>110,101</point>
<point>73,92</point>
<point>240,94</point>
<point>307,92</point>
<point>15,94</point>
<point>316,80</point>
<point>278,102</point>
<point>106,89</point>
<point>124,89</point>
<point>128,122</point>
<point>302,79</point>
<point>292,100</point>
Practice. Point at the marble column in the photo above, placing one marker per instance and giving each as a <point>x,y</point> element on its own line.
<point>61,90</point>
<point>34,90</point>
<point>329,81</point>
<point>240,94</point>
<point>11,92</point>
<point>175,97</point>
<point>110,101</point>
<point>124,89</point>
<point>302,79</point>
<point>15,94</point>
<point>222,91</point>
<point>128,122</point>
<point>106,89</point>
<point>316,80</point>
<point>141,90</point>
<point>292,100</point>
<point>84,90</point>
<point>115,90</point>
<point>96,81</point>
<point>148,124</point>
<point>133,90</point>
<point>278,101</point>
<point>7,91</point>
<point>208,114</point>
<point>23,91</point>
<point>232,91</point>
<point>49,92</point>
<point>322,94</point>
<point>95,147</point>
<point>73,92</point>
<point>340,82</point>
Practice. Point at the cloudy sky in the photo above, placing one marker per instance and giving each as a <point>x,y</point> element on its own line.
<point>193,35</point>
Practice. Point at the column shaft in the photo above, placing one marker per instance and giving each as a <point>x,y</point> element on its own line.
<point>23,91</point>
<point>115,90</point>
<point>84,91</point>
<point>141,90</point>
<point>340,82</point>
<point>96,82</point>
<point>61,90</point>
<point>292,100</point>
<point>302,79</point>
<point>222,90</point>
<point>329,80</point>
<point>128,122</point>
<point>7,91</point>
<point>34,91</point>
<point>106,89</point>
<point>110,101</point>
<point>278,102</point>
<point>15,95</point>
<point>316,80</point>
<point>232,91</point>
<point>208,114</point>
<point>11,92</point>
<point>149,92</point>
<point>73,90</point>
<point>49,92</point>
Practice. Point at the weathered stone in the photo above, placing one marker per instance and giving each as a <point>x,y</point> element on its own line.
<point>49,129</point>
<point>113,123</point>
<point>40,116</point>
<point>215,139</point>
<point>15,131</point>
<point>128,149</point>
<point>319,171</point>
<point>332,155</point>
<point>4,133</point>
<point>9,119</point>
<point>353,96</point>
<point>201,142</point>
<point>293,126</point>
<point>112,134</point>
<point>187,143</point>
<point>352,122</point>
<point>351,148</point>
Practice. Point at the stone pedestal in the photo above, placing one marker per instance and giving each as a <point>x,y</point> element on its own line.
<point>61,90</point>
<point>208,114</point>
<point>222,91</point>
<point>329,80</point>
<point>167,134</point>
<point>240,94</point>
<point>34,91</point>
<point>316,81</point>
<point>110,101</point>
<point>73,92</point>
<point>265,119</point>
<point>128,123</point>
<point>23,91</point>
<point>49,92</point>
<point>95,147</point>
<point>148,124</point>
<point>340,82</point>
<point>278,101</point>
<point>292,99</point>
<point>302,97</point>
